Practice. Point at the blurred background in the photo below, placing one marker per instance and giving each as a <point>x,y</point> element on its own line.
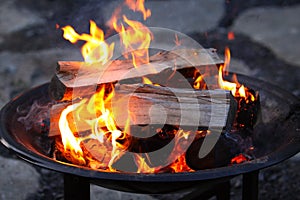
<point>263,36</point>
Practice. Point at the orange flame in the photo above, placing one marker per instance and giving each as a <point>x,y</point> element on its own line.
<point>134,36</point>
<point>95,49</point>
<point>69,141</point>
<point>95,112</point>
<point>199,83</point>
<point>136,40</point>
<point>235,87</point>
<point>138,5</point>
<point>180,165</point>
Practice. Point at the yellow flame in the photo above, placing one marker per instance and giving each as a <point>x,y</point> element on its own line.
<point>95,49</point>
<point>138,5</point>
<point>136,40</point>
<point>142,165</point>
<point>235,87</point>
<point>147,81</point>
<point>68,139</point>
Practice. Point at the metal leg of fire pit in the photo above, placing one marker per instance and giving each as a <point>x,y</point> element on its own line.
<point>76,188</point>
<point>223,191</point>
<point>250,185</point>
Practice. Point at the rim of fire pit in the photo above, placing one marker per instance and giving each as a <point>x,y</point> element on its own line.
<point>284,152</point>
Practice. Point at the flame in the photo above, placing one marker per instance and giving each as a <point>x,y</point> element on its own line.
<point>239,159</point>
<point>134,36</point>
<point>180,165</point>
<point>69,141</point>
<point>136,40</point>
<point>199,83</point>
<point>105,131</point>
<point>235,87</point>
<point>138,5</point>
<point>95,49</point>
<point>95,112</point>
<point>147,81</point>
<point>142,165</point>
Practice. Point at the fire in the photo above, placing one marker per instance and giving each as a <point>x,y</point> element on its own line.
<point>147,81</point>
<point>138,5</point>
<point>103,142</point>
<point>235,87</point>
<point>180,165</point>
<point>136,39</point>
<point>142,165</point>
<point>69,141</point>
<point>95,49</point>
<point>134,36</point>
<point>199,83</point>
<point>95,112</point>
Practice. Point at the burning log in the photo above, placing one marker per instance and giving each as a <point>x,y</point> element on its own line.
<point>85,78</point>
<point>148,104</point>
<point>174,106</point>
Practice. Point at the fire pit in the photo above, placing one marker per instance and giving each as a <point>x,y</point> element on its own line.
<point>276,138</point>
<point>151,118</point>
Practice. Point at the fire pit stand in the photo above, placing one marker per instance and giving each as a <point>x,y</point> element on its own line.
<point>76,187</point>
<point>276,137</point>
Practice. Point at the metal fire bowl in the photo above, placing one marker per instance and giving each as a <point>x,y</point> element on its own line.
<point>276,137</point>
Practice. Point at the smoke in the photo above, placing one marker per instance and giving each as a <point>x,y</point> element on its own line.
<point>36,117</point>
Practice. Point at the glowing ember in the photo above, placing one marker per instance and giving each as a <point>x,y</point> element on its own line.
<point>239,159</point>
<point>230,35</point>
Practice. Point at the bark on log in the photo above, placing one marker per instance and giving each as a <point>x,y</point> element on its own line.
<point>82,78</point>
<point>148,104</point>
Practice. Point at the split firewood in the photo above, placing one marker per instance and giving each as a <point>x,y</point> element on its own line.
<point>77,79</point>
<point>148,104</point>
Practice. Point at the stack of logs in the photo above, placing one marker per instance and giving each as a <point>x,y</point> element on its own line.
<point>77,79</point>
<point>172,92</point>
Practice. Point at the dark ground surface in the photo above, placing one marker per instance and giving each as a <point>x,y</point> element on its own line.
<point>278,182</point>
